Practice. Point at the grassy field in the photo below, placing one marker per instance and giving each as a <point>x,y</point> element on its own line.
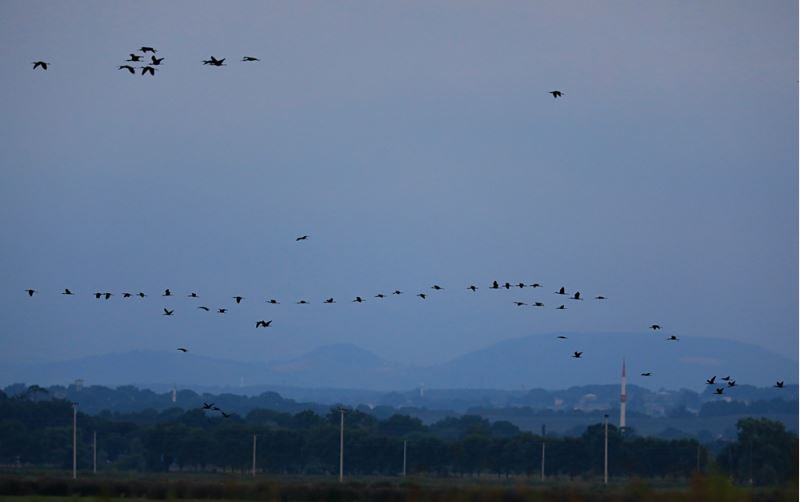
<point>51,487</point>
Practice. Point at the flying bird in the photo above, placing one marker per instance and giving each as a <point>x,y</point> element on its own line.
<point>126,295</point>
<point>330,300</point>
<point>66,292</point>
<point>167,292</point>
<point>263,324</point>
<point>148,69</point>
<point>673,338</point>
<point>30,291</point>
<point>250,58</point>
<point>436,287</point>
<point>214,61</point>
<point>226,415</point>
<point>182,349</point>
<point>107,295</point>
<point>520,304</point>
<point>538,304</point>
<point>725,378</point>
<point>147,49</point>
<point>40,64</point>
<point>561,337</point>
<point>193,295</point>
<point>207,406</point>
<point>507,285</point>
<point>778,384</point>
<point>561,307</point>
<point>600,297</point>
<point>358,299</point>
<point>556,94</point>
<point>380,295</point>
<point>655,327</point>
<point>422,295</point>
<point>731,383</point>
<point>711,380</point>
<point>98,295</point>
<point>719,390</point>
<point>168,312</point>
<point>536,285</point>
<point>128,67</point>
<point>576,296</point>
<point>397,292</point>
<point>204,308</point>
<point>273,302</point>
<point>646,373</point>
<point>577,355</point>
<point>561,291</point>
<point>473,287</point>
<point>141,295</point>
<point>134,58</point>
<point>302,238</point>
<point>494,285</point>
<point>238,299</point>
<point>155,61</point>
<point>302,302</point>
<point>222,311</point>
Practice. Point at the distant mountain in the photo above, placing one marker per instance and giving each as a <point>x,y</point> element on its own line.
<point>534,361</point>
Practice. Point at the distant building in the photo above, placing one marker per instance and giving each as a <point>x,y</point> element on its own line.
<point>623,397</point>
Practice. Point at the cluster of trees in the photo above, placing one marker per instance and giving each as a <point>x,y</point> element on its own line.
<point>39,432</point>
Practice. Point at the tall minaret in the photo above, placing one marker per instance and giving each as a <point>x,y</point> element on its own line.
<point>622,398</point>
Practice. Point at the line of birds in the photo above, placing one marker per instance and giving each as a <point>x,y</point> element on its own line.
<point>150,66</point>
<point>212,407</point>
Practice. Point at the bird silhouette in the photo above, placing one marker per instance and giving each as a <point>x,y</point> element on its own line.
<point>40,64</point>
<point>538,304</point>
<point>358,299</point>
<point>263,324</point>
<point>107,295</point>
<point>494,285</point>
<point>141,295</point>
<point>148,69</point>
<point>397,292</point>
<point>561,291</point>
<point>302,302</point>
<point>719,390</point>
<point>330,300</point>
<point>183,349</point>
<point>422,295</point>
<point>207,406</point>
<point>215,408</point>
<point>30,291</point>
<point>134,58</point>
<point>168,312</point>
<point>250,58</point>
<point>238,299</point>
<point>576,296</point>
<point>202,307</point>
<point>380,295</point>
<point>126,295</point>
<point>167,292</point>
<point>222,311</point>
<point>98,295</point>
<point>778,384</point>
<point>507,285</point>
<point>561,307</point>
<point>731,383</point>
<point>577,355</point>
<point>556,94</point>
<point>646,373</point>
<point>520,304</point>
<point>725,378</point>
<point>66,292</point>
<point>128,67</point>
<point>600,297</point>
<point>473,287</point>
<point>436,287</point>
<point>536,285</point>
<point>147,49</point>
<point>193,295</point>
<point>226,415</point>
<point>561,337</point>
<point>302,238</point>
<point>673,338</point>
<point>214,61</point>
<point>155,61</point>
<point>273,301</point>
<point>711,380</point>
<point>655,327</point>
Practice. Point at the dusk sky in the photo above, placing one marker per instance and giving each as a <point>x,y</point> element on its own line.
<point>416,144</point>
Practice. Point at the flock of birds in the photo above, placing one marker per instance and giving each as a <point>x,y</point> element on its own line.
<point>149,66</point>
<point>495,285</point>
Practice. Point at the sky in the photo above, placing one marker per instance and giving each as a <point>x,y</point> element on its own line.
<point>416,144</point>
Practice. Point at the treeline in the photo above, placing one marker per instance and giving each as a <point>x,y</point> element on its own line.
<point>40,433</point>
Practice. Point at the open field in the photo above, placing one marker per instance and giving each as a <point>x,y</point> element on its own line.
<point>57,487</point>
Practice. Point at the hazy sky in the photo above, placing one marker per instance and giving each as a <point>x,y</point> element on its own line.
<point>415,142</point>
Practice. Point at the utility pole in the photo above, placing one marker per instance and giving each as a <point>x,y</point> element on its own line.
<point>543,434</point>
<point>254,455</point>
<point>405,445</point>
<point>341,446</point>
<point>74,440</point>
<point>605,451</point>
<point>94,452</point>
